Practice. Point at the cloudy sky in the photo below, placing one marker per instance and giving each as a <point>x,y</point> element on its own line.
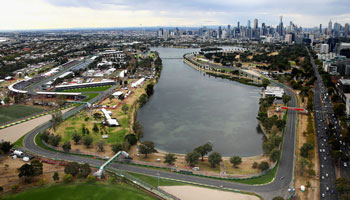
<point>52,14</point>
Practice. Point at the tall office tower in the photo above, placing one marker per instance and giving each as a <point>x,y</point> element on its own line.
<point>346,30</point>
<point>263,29</point>
<point>280,31</point>
<point>238,25</point>
<point>320,28</point>
<point>248,24</point>
<point>160,33</point>
<point>255,24</point>
<point>229,31</point>
<point>219,34</point>
<point>330,27</point>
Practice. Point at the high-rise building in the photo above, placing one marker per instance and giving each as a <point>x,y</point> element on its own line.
<point>238,25</point>
<point>280,31</point>
<point>219,33</point>
<point>320,28</point>
<point>160,33</point>
<point>248,24</point>
<point>330,27</point>
<point>255,24</point>
<point>229,31</point>
<point>346,30</point>
<point>324,48</point>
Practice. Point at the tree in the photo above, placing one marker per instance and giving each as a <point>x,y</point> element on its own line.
<point>60,100</point>
<point>116,147</point>
<point>149,89</point>
<point>303,162</point>
<point>37,166</point>
<point>95,128</point>
<point>137,128</point>
<point>274,155</point>
<point>84,170</point>
<point>339,109</point>
<point>265,82</point>
<point>204,149</point>
<point>142,99</point>
<point>131,138</point>
<point>236,160</point>
<point>170,158</point>
<point>66,146</point>
<point>264,166</point>
<point>286,98</point>
<point>214,159</point>
<point>76,137</point>
<point>1,189</point>
<point>87,141</point>
<point>97,115</point>
<point>44,136</point>
<point>26,171</point>
<point>54,140</point>
<point>125,108</point>
<point>56,119</point>
<point>100,145</point>
<point>304,150</point>
<point>7,100</point>
<point>255,165</point>
<point>72,168</point>
<point>67,178</point>
<point>146,148</point>
<point>192,158</point>
<point>5,146</point>
<point>56,176</point>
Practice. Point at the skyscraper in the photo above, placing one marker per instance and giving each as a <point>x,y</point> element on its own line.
<point>280,31</point>
<point>330,27</point>
<point>346,30</point>
<point>248,24</point>
<point>255,24</point>
<point>320,28</point>
<point>229,31</point>
<point>238,25</point>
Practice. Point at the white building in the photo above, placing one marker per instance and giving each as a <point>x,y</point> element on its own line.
<point>277,92</point>
<point>288,38</point>
<point>324,48</point>
<point>108,119</point>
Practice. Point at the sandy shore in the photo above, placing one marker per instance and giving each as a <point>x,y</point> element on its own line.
<point>13,133</point>
<point>192,193</point>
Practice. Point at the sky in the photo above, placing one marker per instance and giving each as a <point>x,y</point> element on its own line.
<point>61,14</point>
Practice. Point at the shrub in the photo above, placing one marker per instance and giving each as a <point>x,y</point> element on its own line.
<point>255,165</point>
<point>90,178</point>
<point>67,178</point>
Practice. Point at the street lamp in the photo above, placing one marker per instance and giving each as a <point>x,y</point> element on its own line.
<point>158,179</point>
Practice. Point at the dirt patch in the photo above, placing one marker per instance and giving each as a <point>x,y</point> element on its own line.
<point>301,179</point>
<point>9,174</point>
<point>191,192</point>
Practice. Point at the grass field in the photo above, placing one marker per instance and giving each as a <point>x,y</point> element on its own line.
<point>90,89</point>
<point>11,113</point>
<point>83,191</point>
<point>90,96</point>
<point>154,181</point>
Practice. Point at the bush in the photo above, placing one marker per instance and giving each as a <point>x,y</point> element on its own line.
<point>264,166</point>
<point>67,178</point>
<point>14,187</point>
<point>90,178</point>
<point>87,140</point>
<point>42,181</point>
<point>255,165</point>
<point>117,147</point>
<point>72,168</point>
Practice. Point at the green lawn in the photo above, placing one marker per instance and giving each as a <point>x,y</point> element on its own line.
<point>90,96</point>
<point>11,113</point>
<point>82,191</point>
<point>154,180</point>
<point>90,89</point>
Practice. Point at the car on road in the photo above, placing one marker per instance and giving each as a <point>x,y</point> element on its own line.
<point>345,165</point>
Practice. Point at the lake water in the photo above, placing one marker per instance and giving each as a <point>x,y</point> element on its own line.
<point>189,108</point>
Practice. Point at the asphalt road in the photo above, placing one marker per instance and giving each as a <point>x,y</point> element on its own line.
<point>327,168</point>
<point>278,187</point>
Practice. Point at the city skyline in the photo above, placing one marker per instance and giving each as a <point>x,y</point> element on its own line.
<point>64,14</point>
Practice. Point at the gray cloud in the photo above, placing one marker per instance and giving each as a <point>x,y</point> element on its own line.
<point>224,10</point>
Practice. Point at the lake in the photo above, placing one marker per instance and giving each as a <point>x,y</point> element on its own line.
<point>189,108</point>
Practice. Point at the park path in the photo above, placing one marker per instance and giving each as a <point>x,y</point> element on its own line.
<point>13,133</point>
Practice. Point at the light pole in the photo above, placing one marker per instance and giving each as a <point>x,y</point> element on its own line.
<point>158,179</point>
